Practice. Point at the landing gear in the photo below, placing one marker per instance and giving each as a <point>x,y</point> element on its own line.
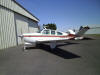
<point>28,46</point>
<point>24,47</point>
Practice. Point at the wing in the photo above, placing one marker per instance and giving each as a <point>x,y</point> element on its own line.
<point>56,40</point>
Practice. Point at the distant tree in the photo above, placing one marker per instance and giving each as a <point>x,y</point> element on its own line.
<point>51,26</point>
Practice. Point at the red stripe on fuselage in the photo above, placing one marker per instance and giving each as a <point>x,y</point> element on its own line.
<point>70,35</point>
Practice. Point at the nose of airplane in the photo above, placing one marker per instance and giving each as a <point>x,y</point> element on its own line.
<point>20,36</point>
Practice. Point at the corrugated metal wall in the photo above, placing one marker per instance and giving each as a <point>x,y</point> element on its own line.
<point>33,27</point>
<point>15,7</point>
<point>12,23</point>
<point>24,25</point>
<point>7,28</point>
<point>21,25</point>
<point>0,29</point>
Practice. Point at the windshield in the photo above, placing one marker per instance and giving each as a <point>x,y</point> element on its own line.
<point>46,32</point>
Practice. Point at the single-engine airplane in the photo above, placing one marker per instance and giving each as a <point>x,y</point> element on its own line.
<point>51,36</point>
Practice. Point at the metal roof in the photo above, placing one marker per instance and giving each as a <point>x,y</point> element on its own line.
<point>16,7</point>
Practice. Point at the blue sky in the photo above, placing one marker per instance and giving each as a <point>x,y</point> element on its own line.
<point>65,13</point>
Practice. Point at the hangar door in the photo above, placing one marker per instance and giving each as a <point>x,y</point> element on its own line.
<point>21,26</point>
<point>33,26</point>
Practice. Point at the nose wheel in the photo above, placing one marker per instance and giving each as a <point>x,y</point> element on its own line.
<point>25,48</point>
<point>28,45</point>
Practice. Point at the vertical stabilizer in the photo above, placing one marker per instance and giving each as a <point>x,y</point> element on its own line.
<point>82,31</point>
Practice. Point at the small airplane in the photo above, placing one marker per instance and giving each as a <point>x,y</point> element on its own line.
<point>52,37</point>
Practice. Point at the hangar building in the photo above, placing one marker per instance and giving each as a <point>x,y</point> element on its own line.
<point>15,20</point>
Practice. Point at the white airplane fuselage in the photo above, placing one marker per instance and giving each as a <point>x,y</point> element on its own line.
<point>51,36</point>
<point>38,37</point>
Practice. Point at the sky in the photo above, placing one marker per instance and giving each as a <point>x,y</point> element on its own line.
<point>66,14</point>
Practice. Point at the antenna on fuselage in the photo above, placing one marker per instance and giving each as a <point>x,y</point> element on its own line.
<point>44,27</point>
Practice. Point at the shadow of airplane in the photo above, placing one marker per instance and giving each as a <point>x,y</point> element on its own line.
<point>66,43</point>
<point>88,38</point>
<point>57,51</point>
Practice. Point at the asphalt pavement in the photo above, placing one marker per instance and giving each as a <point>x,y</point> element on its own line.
<point>69,58</point>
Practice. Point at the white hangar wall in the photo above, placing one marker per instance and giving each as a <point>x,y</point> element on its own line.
<point>32,26</point>
<point>21,23</point>
<point>14,20</point>
<point>14,6</point>
<point>24,25</point>
<point>7,28</point>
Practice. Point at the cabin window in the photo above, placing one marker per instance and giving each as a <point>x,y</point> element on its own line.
<point>52,32</point>
<point>46,32</point>
<point>59,33</point>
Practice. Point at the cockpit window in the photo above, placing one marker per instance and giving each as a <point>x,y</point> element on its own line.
<point>68,32</point>
<point>52,32</point>
<point>46,32</point>
<point>59,33</point>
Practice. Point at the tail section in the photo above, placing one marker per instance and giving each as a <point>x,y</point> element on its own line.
<point>82,31</point>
